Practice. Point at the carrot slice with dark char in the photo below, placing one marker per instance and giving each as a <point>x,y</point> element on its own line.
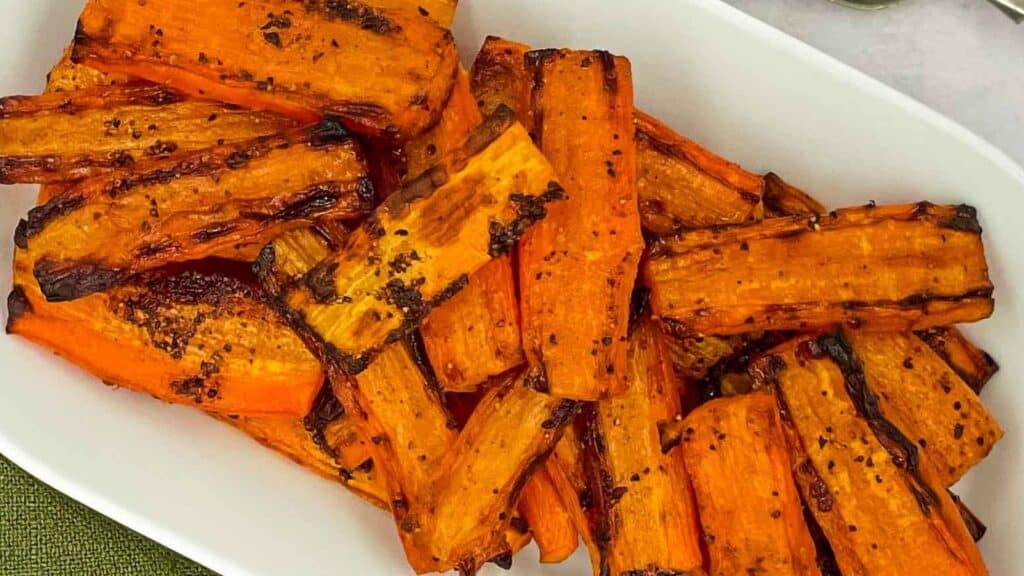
<point>72,135</point>
<point>877,499</point>
<point>385,72</point>
<point>884,268</point>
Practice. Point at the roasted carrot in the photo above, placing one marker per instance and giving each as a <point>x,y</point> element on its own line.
<point>420,246</point>
<point>508,436</point>
<point>184,337</point>
<point>547,518</point>
<point>922,395</point>
<point>643,496</point>
<point>877,500</point>
<point>784,199</point>
<point>383,71</point>
<point>435,146</point>
<point>107,228</point>
<point>566,467</point>
<point>475,335</point>
<point>583,110</point>
<point>72,135</point>
<point>883,268</point>
<point>972,364</point>
<point>750,509</point>
<point>499,78</point>
<point>684,186</point>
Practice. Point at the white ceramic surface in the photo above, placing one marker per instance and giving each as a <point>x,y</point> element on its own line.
<point>734,84</point>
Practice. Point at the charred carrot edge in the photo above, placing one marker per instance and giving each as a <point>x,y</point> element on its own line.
<point>542,513</point>
<point>189,338</point>
<point>592,241</point>
<point>784,199</point>
<point>750,509</point>
<point>72,135</point>
<point>398,66</point>
<point>90,238</point>
<point>421,245</point>
<point>975,366</point>
<point>925,398</point>
<point>66,76</point>
<point>858,472</point>
<point>798,272</point>
<point>643,499</point>
<point>683,186</point>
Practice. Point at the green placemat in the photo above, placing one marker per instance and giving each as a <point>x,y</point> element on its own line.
<point>43,532</point>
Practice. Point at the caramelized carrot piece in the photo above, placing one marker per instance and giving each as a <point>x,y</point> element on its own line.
<point>385,72</point>
<point>475,335</point>
<point>420,246</point>
<point>750,509</point>
<point>508,436</point>
<point>583,114</point>
<point>105,229</point>
<point>71,135</point>
<point>922,395</point>
<point>972,364</point>
<point>682,185</point>
<point>499,78</point>
<point>879,503</point>
<point>644,498</point>
<point>197,338</point>
<point>884,268</point>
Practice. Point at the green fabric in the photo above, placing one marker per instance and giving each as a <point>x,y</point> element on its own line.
<point>43,532</point>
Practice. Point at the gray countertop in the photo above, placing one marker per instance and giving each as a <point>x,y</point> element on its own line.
<point>962,58</point>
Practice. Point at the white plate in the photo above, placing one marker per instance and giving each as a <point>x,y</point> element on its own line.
<point>741,88</point>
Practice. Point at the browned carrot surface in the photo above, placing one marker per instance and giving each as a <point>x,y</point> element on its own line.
<point>475,335</point>
<point>877,500</point>
<point>750,509</point>
<point>883,268</point>
<point>71,135</point>
<point>107,228</point>
<point>420,246</point>
<point>972,364</point>
<point>508,436</point>
<point>643,495</point>
<point>197,338</point>
<point>682,185</point>
<point>384,71</point>
<point>589,246</point>
<point>925,398</point>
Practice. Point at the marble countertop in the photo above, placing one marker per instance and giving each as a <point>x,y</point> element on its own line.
<point>962,58</point>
